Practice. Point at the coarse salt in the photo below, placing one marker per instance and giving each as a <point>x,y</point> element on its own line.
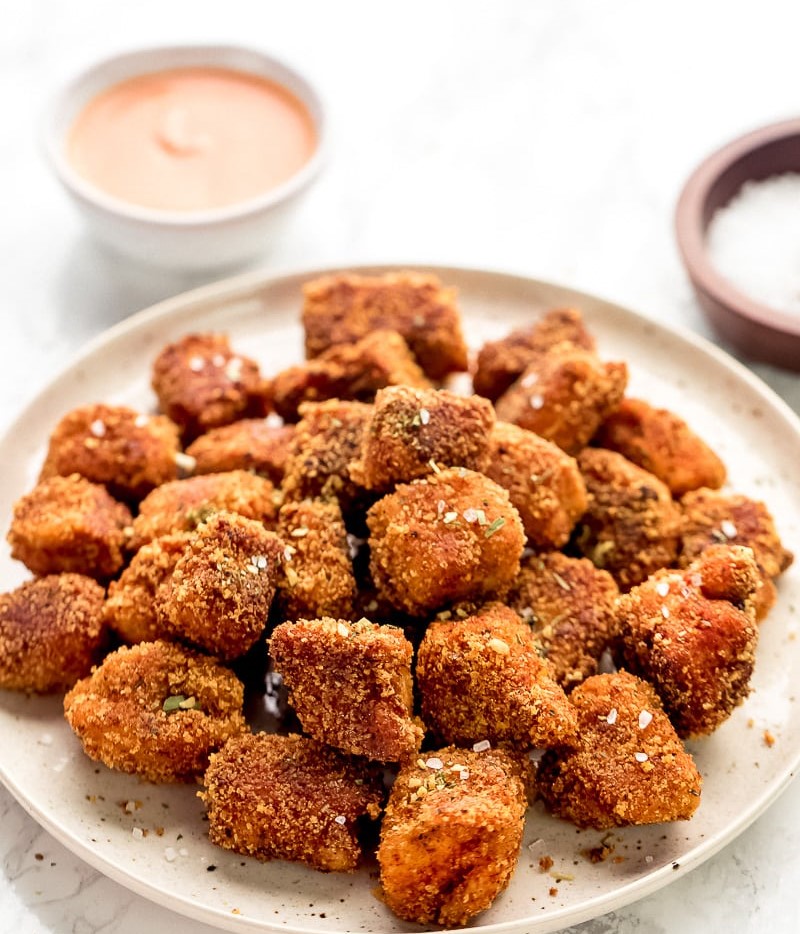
<point>640,756</point>
<point>185,462</point>
<point>137,833</point>
<point>196,364</point>
<point>130,807</point>
<point>528,380</point>
<point>170,854</point>
<point>482,746</point>
<point>434,763</point>
<point>46,739</point>
<point>98,428</point>
<point>645,719</point>
<point>424,416</point>
<point>218,359</point>
<point>662,588</point>
<point>728,529</point>
<point>536,402</point>
<point>340,819</point>
<point>665,612</point>
<point>141,421</point>
<point>234,369</point>
<point>611,718</point>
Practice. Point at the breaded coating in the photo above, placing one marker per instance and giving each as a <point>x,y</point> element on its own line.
<point>501,363</point>
<point>571,606</point>
<point>564,396</point>
<point>627,765</point>
<point>482,678</point>
<point>347,371</point>
<point>692,635</point>
<point>451,835</point>
<point>631,526</point>
<point>413,431</point>
<point>448,537</point>
<point>220,591</point>
<point>126,451</point>
<point>202,383</point>
<point>70,524</point>
<point>350,685</point>
<point>290,797</point>
<point>317,575</point>
<point>343,308</point>
<point>661,442</point>
<point>156,710</point>
<point>51,633</point>
<point>180,506</point>
<point>730,518</point>
<point>543,483</point>
<point>130,608</point>
<point>251,444</point>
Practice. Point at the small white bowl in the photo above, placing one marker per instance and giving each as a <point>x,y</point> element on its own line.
<point>188,240</point>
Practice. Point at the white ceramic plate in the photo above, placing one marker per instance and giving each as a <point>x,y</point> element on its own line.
<point>82,803</point>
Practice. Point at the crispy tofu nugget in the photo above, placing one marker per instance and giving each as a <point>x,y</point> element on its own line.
<point>156,710</point>
<point>627,765</point>
<point>571,606</point>
<point>451,835</point>
<point>543,483</point>
<point>564,396</point>
<point>448,537</point>
<point>730,518</point>
<point>130,609</point>
<point>290,797</point>
<point>202,383</point>
<point>318,575</point>
<point>350,685</point>
<point>631,526</point>
<point>126,451</point>
<point>661,442</point>
<point>347,371</point>
<point>180,506</point>
<point>482,678</point>
<point>413,431</point>
<point>501,363</point>
<point>220,591</point>
<point>692,635</point>
<point>51,633</point>
<point>342,309</point>
<point>251,444</point>
<point>70,524</point>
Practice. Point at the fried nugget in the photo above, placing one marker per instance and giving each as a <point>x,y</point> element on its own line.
<point>451,835</point>
<point>250,444</point>
<point>631,527</point>
<point>571,606</point>
<point>51,633</point>
<point>627,765</point>
<point>501,363</point>
<point>564,396</point>
<point>347,371</point>
<point>156,710</point>
<point>413,431</point>
<point>318,575</point>
<point>692,634</point>
<point>350,685</point>
<point>482,678</point>
<point>180,506</point>
<point>126,451</point>
<point>662,443</point>
<point>543,483</point>
<point>448,537</point>
<point>202,383</point>
<point>221,589</point>
<point>290,797</point>
<point>343,308</point>
<point>730,518</point>
<point>70,524</point>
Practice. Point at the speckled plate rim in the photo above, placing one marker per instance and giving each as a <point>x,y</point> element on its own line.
<point>228,293</point>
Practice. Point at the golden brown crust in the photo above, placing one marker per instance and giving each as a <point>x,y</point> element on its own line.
<point>250,444</point>
<point>51,633</point>
<point>290,797</point>
<point>350,685</point>
<point>412,431</point>
<point>482,678</point>
<point>343,308</point>
<point>448,537</point>
<point>543,483</point>
<point>118,711</point>
<point>663,444</point>
<point>627,766</point>
<point>70,524</point>
<point>451,835</point>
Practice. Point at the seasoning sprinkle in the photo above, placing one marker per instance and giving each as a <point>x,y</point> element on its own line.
<point>434,466</point>
<point>561,582</point>
<point>173,703</point>
<point>499,646</point>
<point>450,517</point>
<point>498,524</point>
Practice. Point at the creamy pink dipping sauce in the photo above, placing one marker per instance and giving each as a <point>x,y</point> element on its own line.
<point>190,139</point>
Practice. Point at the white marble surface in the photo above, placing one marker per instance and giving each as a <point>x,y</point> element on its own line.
<point>549,139</point>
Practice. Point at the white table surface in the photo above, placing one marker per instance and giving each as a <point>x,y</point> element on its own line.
<point>547,138</point>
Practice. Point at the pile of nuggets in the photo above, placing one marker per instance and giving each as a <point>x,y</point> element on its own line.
<point>441,580</point>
